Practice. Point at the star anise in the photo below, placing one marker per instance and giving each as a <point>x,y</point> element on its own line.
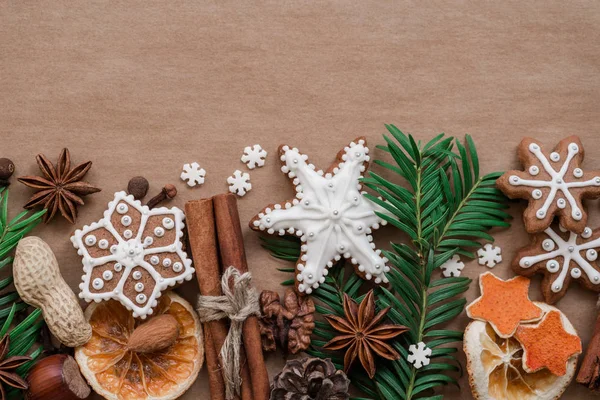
<point>8,376</point>
<point>60,188</point>
<point>363,334</point>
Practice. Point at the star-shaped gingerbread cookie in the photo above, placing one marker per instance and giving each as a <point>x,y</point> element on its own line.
<point>329,214</point>
<point>554,184</point>
<point>504,304</point>
<point>547,345</point>
<point>561,256</point>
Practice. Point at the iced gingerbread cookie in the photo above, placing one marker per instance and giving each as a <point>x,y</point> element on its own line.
<point>132,254</point>
<point>329,214</point>
<point>561,256</point>
<point>553,183</point>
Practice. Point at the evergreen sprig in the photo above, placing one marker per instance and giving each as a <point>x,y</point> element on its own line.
<point>23,335</point>
<point>445,207</point>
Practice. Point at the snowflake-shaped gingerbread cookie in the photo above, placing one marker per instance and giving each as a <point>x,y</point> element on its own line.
<point>553,183</point>
<point>132,254</point>
<point>561,256</point>
<point>419,355</point>
<point>329,214</point>
<point>254,156</point>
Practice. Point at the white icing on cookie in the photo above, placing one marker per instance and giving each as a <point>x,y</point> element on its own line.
<point>129,253</point>
<point>556,182</point>
<point>555,247</point>
<point>330,216</point>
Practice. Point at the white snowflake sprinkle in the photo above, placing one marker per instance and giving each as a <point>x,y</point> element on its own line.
<point>239,183</point>
<point>489,255</point>
<point>254,156</point>
<point>419,356</point>
<point>193,174</point>
<point>452,267</point>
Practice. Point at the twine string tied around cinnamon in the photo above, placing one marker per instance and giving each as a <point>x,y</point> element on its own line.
<point>238,302</point>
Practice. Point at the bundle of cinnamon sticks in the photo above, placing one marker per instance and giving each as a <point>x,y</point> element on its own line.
<point>216,242</point>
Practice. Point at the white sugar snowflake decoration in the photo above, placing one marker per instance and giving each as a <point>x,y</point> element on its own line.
<point>329,214</point>
<point>254,156</point>
<point>564,258</point>
<point>239,183</point>
<point>132,254</point>
<point>452,267</point>
<point>193,174</point>
<point>419,355</point>
<point>489,255</point>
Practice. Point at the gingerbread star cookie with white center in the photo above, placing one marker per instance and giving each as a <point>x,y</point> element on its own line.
<point>329,214</point>
<point>554,184</point>
<point>132,254</point>
<point>561,256</point>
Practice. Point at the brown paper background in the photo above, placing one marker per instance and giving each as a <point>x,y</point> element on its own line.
<point>141,87</point>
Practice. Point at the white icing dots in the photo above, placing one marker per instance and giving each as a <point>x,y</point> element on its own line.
<point>555,157</point>
<point>107,275</point>
<point>552,266</point>
<point>137,275</point>
<point>122,208</point>
<point>587,233</point>
<point>140,298</point>
<point>118,267</point>
<point>548,245</point>
<point>148,241</point>
<point>139,287</point>
<point>90,240</point>
<point>576,273</point>
<point>103,244</point>
<point>561,203</point>
<point>166,262</point>
<point>533,147</point>
<point>537,194</point>
<point>534,170</point>
<point>114,248</point>
<point>591,255</point>
<point>177,267</point>
<point>168,223</point>
<point>98,284</point>
<point>577,172</point>
<point>541,214</point>
<point>154,260</point>
<point>126,220</point>
<point>159,232</point>
<point>127,234</point>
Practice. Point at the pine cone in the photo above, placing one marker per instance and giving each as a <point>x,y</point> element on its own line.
<point>288,324</point>
<point>310,379</point>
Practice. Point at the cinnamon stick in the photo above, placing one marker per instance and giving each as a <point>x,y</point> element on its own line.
<point>231,246</point>
<point>589,372</point>
<point>203,244</point>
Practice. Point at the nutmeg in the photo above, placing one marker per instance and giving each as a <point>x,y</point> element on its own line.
<point>56,377</point>
<point>156,334</point>
<point>138,187</point>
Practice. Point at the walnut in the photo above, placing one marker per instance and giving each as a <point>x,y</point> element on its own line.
<point>288,325</point>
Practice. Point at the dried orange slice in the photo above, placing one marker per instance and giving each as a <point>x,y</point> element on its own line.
<point>495,366</point>
<point>119,374</point>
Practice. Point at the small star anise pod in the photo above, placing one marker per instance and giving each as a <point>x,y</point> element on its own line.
<point>60,188</point>
<point>363,334</point>
<point>8,377</point>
